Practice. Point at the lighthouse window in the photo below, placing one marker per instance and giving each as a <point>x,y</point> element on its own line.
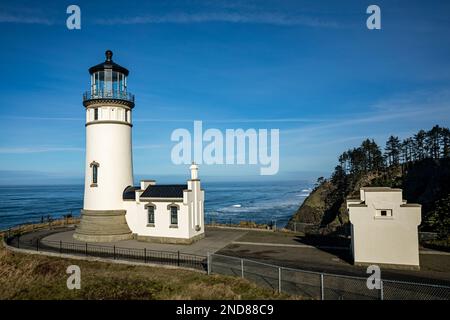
<point>174,216</point>
<point>151,215</point>
<point>95,114</point>
<point>94,173</point>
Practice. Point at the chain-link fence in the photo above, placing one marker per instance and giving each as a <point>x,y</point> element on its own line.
<point>324,286</point>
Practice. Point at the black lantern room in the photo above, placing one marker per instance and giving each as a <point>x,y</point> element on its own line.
<point>108,81</point>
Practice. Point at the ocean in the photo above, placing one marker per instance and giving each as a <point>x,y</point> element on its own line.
<point>226,202</point>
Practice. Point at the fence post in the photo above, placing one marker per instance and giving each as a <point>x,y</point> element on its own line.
<point>208,262</point>
<point>178,258</point>
<point>279,279</point>
<point>322,291</point>
<point>145,255</point>
<point>381,290</point>
<point>37,244</point>
<point>242,268</point>
<point>114,252</point>
<point>60,246</point>
<point>86,251</point>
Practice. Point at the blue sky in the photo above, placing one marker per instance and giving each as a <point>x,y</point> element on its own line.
<point>309,68</point>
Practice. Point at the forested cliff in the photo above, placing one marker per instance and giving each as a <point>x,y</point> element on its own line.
<point>420,165</point>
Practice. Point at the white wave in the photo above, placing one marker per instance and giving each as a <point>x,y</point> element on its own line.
<point>237,205</point>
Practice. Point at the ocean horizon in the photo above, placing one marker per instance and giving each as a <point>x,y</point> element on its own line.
<point>226,202</point>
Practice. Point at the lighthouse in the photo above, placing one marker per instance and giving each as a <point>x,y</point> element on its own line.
<point>108,166</point>
<point>114,208</point>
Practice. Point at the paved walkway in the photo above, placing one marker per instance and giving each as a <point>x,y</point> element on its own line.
<point>286,245</point>
<point>215,239</point>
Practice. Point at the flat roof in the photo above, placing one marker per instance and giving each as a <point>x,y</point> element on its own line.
<point>386,189</point>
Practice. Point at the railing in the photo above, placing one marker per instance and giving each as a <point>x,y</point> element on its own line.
<point>108,94</point>
<point>322,286</point>
<point>214,221</point>
<point>173,258</point>
<point>44,223</point>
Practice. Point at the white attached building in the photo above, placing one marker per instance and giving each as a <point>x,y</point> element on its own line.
<point>113,208</point>
<point>166,213</point>
<point>384,228</point>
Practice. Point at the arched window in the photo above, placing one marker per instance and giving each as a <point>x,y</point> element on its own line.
<point>94,165</point>
<point>173,210</point>
<point>150,214</point>
<point>174,216</point>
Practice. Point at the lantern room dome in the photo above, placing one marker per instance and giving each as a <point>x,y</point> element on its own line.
<point>108,64</point>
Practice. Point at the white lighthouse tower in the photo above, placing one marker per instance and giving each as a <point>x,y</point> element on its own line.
<point>114,209</point>
<point>108,166</point>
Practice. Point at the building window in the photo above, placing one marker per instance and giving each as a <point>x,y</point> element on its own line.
<point>385,213</point>
<point>126,116</point>
<point>96,114</point>
<point>174,216</point>
<point>94,165</point>
<point>94,174</point>
<point>151,215</point>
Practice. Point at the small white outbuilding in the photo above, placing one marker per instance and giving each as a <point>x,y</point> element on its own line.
<point>384,228</point>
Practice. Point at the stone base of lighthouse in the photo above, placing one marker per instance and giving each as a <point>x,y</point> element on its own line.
<point>102,226</point>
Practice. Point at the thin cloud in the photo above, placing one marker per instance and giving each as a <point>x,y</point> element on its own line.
<point>44,118</point>
<point>416,105</point>
<point>148,146</point>
<point>256,18</point>
<point>38,149</point>
<point>367,118</point>
<point>13,18</point>
<point>239,120</point>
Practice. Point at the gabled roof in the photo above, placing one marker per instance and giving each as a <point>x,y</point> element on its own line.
<point>164,191</point>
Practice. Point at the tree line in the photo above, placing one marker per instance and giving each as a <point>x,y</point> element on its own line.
<point>369,157</point>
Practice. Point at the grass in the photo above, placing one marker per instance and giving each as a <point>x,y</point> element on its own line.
<point>24,276</point>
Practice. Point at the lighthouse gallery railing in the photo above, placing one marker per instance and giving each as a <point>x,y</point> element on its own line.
<point>108,94</point>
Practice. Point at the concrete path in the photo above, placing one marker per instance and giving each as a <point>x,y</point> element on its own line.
<point>215,239</point>
<point>285,245</point>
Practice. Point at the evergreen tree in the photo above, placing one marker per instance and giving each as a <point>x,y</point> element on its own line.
<point>439,219</point>
<point>392,150</point>
<point>419,145</point>
<point>445,142</point>
<point>432,139</point>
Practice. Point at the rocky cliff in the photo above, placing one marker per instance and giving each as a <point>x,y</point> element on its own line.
<point>424,182</point>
